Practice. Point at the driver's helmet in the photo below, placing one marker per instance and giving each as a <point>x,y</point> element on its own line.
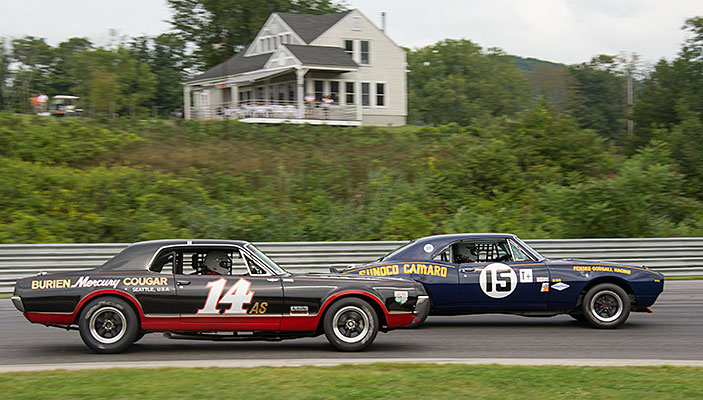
<point>218,262</point>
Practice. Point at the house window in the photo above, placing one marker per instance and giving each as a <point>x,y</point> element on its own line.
<point>281,93</point>
<point>365,96</point>
<point>349,89</point>
<point>334,91</point>
<point>319,89</point>
<point>291,92</point>
<point>365,52</point>
<point>380,94</point>
<point>260,93</point>
<point>356,24</point>
<point>349,47</point>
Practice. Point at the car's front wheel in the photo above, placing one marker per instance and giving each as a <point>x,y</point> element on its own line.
<point>350,324</point>
<point>108,325</point>
<point>606,306</point>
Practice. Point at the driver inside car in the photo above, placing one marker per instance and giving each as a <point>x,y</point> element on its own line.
<point>465,253</point>
<point>217,263</point>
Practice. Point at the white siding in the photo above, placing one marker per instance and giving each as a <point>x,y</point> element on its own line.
<point>387,65</point>
<point>274,32</point>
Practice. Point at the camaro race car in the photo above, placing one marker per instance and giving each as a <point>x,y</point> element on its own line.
<point>499,273</point>
<point>217,290</point>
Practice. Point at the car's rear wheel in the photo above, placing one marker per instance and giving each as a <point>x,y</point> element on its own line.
<point>606,306</point>
<point>108,325</point>
<point>350,324</point>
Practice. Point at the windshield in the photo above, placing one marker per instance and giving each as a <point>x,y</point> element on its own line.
<point>534,253</point>
<point>396,251</point>
<point>274,267</point>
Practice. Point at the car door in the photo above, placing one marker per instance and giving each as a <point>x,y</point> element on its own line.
<point>248,297</point>
<point>502,277</point>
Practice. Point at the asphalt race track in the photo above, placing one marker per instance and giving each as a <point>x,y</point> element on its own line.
<point>673,332</point>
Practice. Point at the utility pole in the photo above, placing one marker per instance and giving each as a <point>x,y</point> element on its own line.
<point>630,101</point>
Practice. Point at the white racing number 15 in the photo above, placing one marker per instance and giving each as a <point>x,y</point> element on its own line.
<point>237,296</point>
<point>497,280</point>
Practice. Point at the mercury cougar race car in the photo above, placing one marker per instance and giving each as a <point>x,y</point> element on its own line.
<point>216,290</point>
<point>499,273</point>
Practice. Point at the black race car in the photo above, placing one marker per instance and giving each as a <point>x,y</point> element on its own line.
<point>473,273</point>
<point>217,290</point>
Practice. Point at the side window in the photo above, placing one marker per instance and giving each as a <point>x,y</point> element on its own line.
<point>518,254</point>
<point>445,256</point>
<point>465,252</point>
<point>254,266</point>
<point>365,52</point>
<point>479,251</point>
<point>213,261</point>
<point>164,263</point>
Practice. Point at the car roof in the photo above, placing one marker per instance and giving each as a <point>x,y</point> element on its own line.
<point>138,255</point>
<point>417,250</point>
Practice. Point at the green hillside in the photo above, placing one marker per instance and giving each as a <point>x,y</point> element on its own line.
<point>528,64</point>
<point>539,175</point>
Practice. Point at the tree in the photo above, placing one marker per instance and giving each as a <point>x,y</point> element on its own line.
<point>601,97</point>
<point>62,76</point>
<point>169,62</point>
<point>456,81</point>
<point>33,57</point>
<point>4,75</point>
<point>217,27</point>
<point>555,83</point>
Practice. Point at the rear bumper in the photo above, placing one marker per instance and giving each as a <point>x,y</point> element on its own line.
<point>422,307</point>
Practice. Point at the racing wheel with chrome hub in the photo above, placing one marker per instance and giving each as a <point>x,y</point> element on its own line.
<point>606,305</point>
<point>350,324</point>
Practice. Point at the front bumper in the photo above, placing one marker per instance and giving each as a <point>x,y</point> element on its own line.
<point>17,301</point>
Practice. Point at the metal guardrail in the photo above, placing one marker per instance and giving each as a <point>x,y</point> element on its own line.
<point>671,256</point>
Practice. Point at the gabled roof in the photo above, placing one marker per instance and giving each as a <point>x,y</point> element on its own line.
<point>236,64</point>
<point>321,55</point>
<point>308,26</point>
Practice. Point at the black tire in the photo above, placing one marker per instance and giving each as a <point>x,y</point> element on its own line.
<point>350,324</point>
<point>606,306</point>
<point>108,325</point>
<point>140,335</point>
<point>577,315</point>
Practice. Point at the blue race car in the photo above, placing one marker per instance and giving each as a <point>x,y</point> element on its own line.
<point>499,273</point>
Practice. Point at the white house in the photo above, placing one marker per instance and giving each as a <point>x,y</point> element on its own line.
<point>342,56</point>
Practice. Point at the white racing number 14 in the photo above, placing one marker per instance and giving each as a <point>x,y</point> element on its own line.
<point>237,296</point>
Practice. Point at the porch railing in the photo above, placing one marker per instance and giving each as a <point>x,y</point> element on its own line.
<point>279,110</point>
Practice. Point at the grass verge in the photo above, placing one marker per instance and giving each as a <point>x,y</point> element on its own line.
<point>5,295</point>
<point>682,278</point>
<point>382,380</point>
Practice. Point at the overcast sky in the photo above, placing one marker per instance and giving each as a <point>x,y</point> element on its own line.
<point>566,31</point>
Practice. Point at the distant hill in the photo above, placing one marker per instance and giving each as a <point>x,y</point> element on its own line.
<point>529,64</point>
